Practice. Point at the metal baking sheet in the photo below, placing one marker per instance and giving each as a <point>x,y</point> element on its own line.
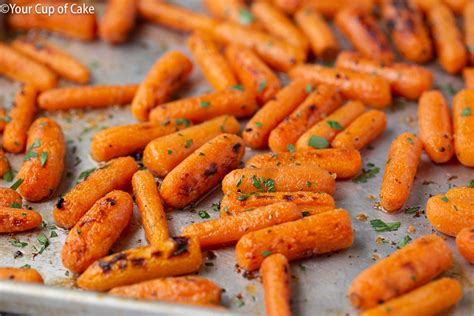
<point>319,284</point>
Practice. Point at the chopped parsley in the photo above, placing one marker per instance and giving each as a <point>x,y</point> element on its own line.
<point>410,140</point>
<point>43,241</point>
<point>245,17</point>
<point>309,184</point>
<point>309,88</point>
<point>470,184</point>
<point>15,205</point>
<point>17,183</point>
<point>291,148</point>
<point>8,175</point>
<point>318,142</point>
<point>411,210</point>
<point>258,124</point>
<point>238,87</point>
<point>78,231</point>
<point>216,207</point>
<point>403,242</point>
<point>25,266</point>
<point>445,199</point>
<point>204,214</point>
<point>261,86</point>
<point>335,125</point>
<point>243,197</point>
<point>466,112</point>
<point>53,234</point>
<point>266,253</point>
<point>305,213</point>
<point>43,158</point>
<point>447,89</point>
<point>85,174</point>
<point>18,244</point>
<point>30,153</point>
<point>204,104</point>
<point>183,121</point>
<point>170,151</point>
<point>188,143</point>
<point>380,226</point>
<point>260,183</point>
<point>367,173</point>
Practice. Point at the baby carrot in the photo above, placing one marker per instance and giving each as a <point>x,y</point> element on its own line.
<point>425,5</point>
<point>232,10</point>
<point>118,20</point>
<point>327,8</point>
<point>163,79</point>
<point>468,75</point>
<point>86,97</point>
<point>469,30</point>
<point>253,73</point>
<point>275,274</point>
<point>465,243</point>
<point>13,220</point>
<point>434,121</point>
<point>3,118</point>
<point>456,5</point>
<point>361,131</point>
<point>463,124</point>
<point>21,275</point>
<point>150,206</point>
<point>164,153</point>
<point>4,164</point>
<point>10,198</point>
<point>404,270</point>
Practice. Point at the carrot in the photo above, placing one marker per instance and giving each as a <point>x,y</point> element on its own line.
<point>253,73</point>
<point>164,153</point>
<point>20,118</point>
<point>115,174</point>
<point>465,243</point>
<point>367,88</point>
<point>447,38</point>
<point>4,164</point>
<point>3,118</point>
<point>228,230</point>
<point>327,8</point>
<point>406,80</point>
<point>212,63</point>
<point>463,123</point>
<point>451,212</point>
<point>21,275</point>
<point>150,206</point>
<point>208,106</point>
<point>468,74</point>
<point>469,30</point>
<point>317,234</point>
<point>232,10</point>
<point>184,290</point>
<point>406,269</point>
<point>86,97</point>
<point>13,220</point>
<point>456,5</point>
<point>328,128</point>
<point>434,121</point>
<point>362,131</point>
<point>176,256</point>
<point>200,172</point>
<point>118,20</point>
<point>163,79</point>
<point>124,140</point>
<point>316,106</point>
<point>275,273</point>
<point>10,198</point>
<point>430,299</point>
<point>100,227</point>
<point>286,100</point>
<point>425,5</point>
<point>21,68</point>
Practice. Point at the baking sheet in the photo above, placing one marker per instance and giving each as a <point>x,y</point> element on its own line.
<point>319,284</point>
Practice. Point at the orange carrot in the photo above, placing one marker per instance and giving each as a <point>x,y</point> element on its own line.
<point>275,273</point>
<point>10,198</point>
<point>465,243</point>
<point>21,275</point>
<point>118,20</point>
<point>232,10</point>
<point>3,118</point>
<point>13,220</point>
<point>463,123</point>
<point>456,5</point>
<point>468,75</point>
<point>4,164</point>
<point>469,30</point>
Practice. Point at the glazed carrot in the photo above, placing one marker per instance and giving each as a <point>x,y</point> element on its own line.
<point>228,230</point>
<point>163,79</point>
<point>10,198</point>
<point>202,170</point>
<point>465,243</point>
<point>425,5</point>
<point>407,30</point>
<point>54,58</point>
<point>100,227</point>
<point>150,206</point>
<point>21,117</point>
<point>328,128</point>
<point>4,164</point>
<point>406,80</point>
<point>469,30</point>
<point>434,121</point>
<point>258,128</point>
<point>404,270</point>
<point>21,68</point>
<point>232,10</point>
<point>184,290</point>
<point>86,97</point>
<point>253,73</point>
<point>327,8</point>
<point>448,39</point>
<point>456,5</point>
<point>118,20</point>
<point>451,212</point>
<point>289,6</point>
<point>208,106</point>
<point>43,163</point>
<point>213,65</point>
<point>164,153</point>
<point>400,171</point>
<point>21,275</point>
<point>316,234</point>
<point>468,74</point>
<point>275,274</point>
<point>118,141</point>
<point>13,220</point>
<point>3,118</point>
<point>430,299</point>
<point>115,174</point>
<point>463,124</point>
<point>345,163</point>
<point>276,53</point>
<point>316,106</point>
<point>369,89</point>
<point>364,33</point>
<point>362,131</point>
<point>176,256</point>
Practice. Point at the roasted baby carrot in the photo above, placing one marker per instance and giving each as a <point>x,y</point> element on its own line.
<point>404,270</point>
<point>213,64</point>
<point>10,198</point>
<point>3,118</point>
<point>229,229</point>
<point>434,123</point>
<point>324,100</point>
<point>465,243</point>
<point>13,220</point>
<point>150,206</point>
<point>469,30</point>
<point>275,274</point>
<point>232,10</point>
<point>406,80</point>
<point>21,275</point>
<point>327,8</point>
<point>468,75</point>
<point>253,73</point>
<point>163,79</point>
<point>456,5</point>
<point>100,227</point>
<point>176,256</point>
<point>202,170</point>
<point>367,88</point>
<point>425,5</point>
<point>164,153</point>
<point>86,97</point>
<point>361,131</point>
<point>115,174</point>
<point>311,235</point>
<point>463,123</point>
<point>4,164</point>
<point>54,58</point>
<point>118,20</point>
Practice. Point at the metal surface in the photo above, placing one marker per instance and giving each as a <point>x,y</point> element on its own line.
<point>319,284</point>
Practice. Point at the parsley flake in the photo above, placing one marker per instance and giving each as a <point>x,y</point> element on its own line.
<point>403,242</point>
<point>335,125</point>
<point>466,112</point>
<point>17,183</point>
<point>203,214</point>
<point>43,158</point>
<point>266,253</point>
<point>261,86</point>
<point>380,226</point>
<point>188,143</point>
<point>204,104</point>
<point>291,148</point>
<point>245,17</point>
<point>318,142</point>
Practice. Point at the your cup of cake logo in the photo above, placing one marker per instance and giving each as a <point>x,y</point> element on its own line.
<point>47,8</point>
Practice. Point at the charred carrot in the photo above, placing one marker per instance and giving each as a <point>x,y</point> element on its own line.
<point>21,275</point>
<point>456,5</point>
<point>275,274</point>
<point>4,164</point>
<point>13,220</point>
<point>118,20</point>
<point>10,198</point>
<point>463,122</point>
<point>425,5</point>
<point>327,8</point>
<point>232,10</point>
<point>465,243</point>
<point>469,30</point>
<point>468,75</point>
<point>3,118</point>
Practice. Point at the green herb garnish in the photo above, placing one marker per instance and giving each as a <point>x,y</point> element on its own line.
<point>380,226</point>
<point>318,142</point>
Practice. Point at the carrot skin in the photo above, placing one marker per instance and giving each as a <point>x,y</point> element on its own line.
<point>463,125</point>
<point>13,220</point>
<point>118,20</point>
<point>10,198</point>
<point>275,273</point>
<point>28,275</point>
<point>465,243</point>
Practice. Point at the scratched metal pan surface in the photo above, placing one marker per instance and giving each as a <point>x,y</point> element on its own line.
<point>319,284</point>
